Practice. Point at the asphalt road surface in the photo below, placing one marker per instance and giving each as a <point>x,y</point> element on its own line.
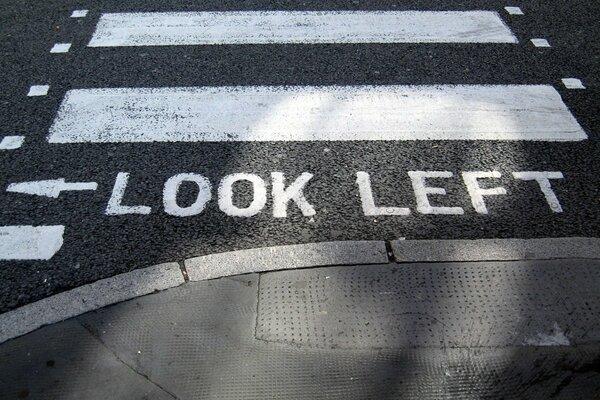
<point>124,204</point>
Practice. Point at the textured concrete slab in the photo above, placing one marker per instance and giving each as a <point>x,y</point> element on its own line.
<point>492,304</point>
<point>89,297</point>
<point>495,249</point>
<point>198,341</point>
<point>286,257</point>
<point>65,361</point>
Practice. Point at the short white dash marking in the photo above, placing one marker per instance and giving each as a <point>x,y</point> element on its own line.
<point>30,242</point>
<point>38,90</point>
<point>573,83</point>
<point>540,43</point>
<point>11,142</point>
<point>309,113</point>
<point>60,48</point>
<point>265,27</point>
<point>514,10</point>
<point>79,13</point>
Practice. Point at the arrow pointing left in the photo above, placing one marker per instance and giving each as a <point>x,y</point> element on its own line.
<point>49,188</point>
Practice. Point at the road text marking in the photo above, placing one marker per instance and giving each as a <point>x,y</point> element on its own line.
<point>304,113</point>
<point>265,27</point>
<point>11,142</point>
<point>30,242</point>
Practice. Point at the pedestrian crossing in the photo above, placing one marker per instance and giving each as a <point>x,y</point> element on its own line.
<point>305,113</point>
<point>299,113</point>
<point>270,27</point>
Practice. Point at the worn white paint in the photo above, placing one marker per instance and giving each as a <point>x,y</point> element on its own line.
<point>572,83</point>
<point>555,338</point>
<point>26,242</point>
<point>38,90</point>
<point>418,179</point>
<point>514,10</point>
<point>226,195</point>
<point>11,142</point>
<point>49,188</point>
<point>308,113</point>
<point>477,192</point>
<point>543,180</point>
<point>115,207</point>
<point>267,27</point>
<point>368,202</point>
<point>171,189</point>
<point>79,13</point>
<point>294,192</point>
<point>540,43</point>
<point>60,48</point>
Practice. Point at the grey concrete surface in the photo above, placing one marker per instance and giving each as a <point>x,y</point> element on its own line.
<point>286,257</point>
<point>206,340</point>
<point>89,297</point>
<point>495,249</point>
<point>65,361</point>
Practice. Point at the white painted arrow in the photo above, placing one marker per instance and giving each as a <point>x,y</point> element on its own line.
<point>49,188</point>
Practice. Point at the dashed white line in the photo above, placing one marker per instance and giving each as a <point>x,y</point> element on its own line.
<point>540,42</point>
<point>11,142</point>
<point>514,10</point>
<point>307,113</point>
<point>24,242</point>
<point>38,90</point>
<point>60,48</point>
<point>79,13</point>
<point>572,83</point>
<point>265,27</point>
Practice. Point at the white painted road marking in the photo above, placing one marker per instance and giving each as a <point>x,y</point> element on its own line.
<point>543,180</point>
<point>60,48</point>
<point>418,179</point>
<point>282,196</point>
<point>514,10</point>
<point>265,27</point>
<point>38,90</point>
<point>540,43</point>
<point>30,242</point>
<point>305,113</point>
<point>115,207</point>
<point>572,83</point>
<point>79,13</point>
<point>11,142</point>
<point>368,202</point>
<point>49,188</point>
<point>477,192</point>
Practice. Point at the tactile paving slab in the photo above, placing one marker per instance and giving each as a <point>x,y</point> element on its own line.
<point>433,305</point>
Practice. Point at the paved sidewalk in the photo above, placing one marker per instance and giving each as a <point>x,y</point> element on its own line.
<point>496,329</point>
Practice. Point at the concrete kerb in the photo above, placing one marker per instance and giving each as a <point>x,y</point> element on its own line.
<point>164,276</point>
<point>144,281</point>
<point>286,257</point>
<point>406,251</point>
